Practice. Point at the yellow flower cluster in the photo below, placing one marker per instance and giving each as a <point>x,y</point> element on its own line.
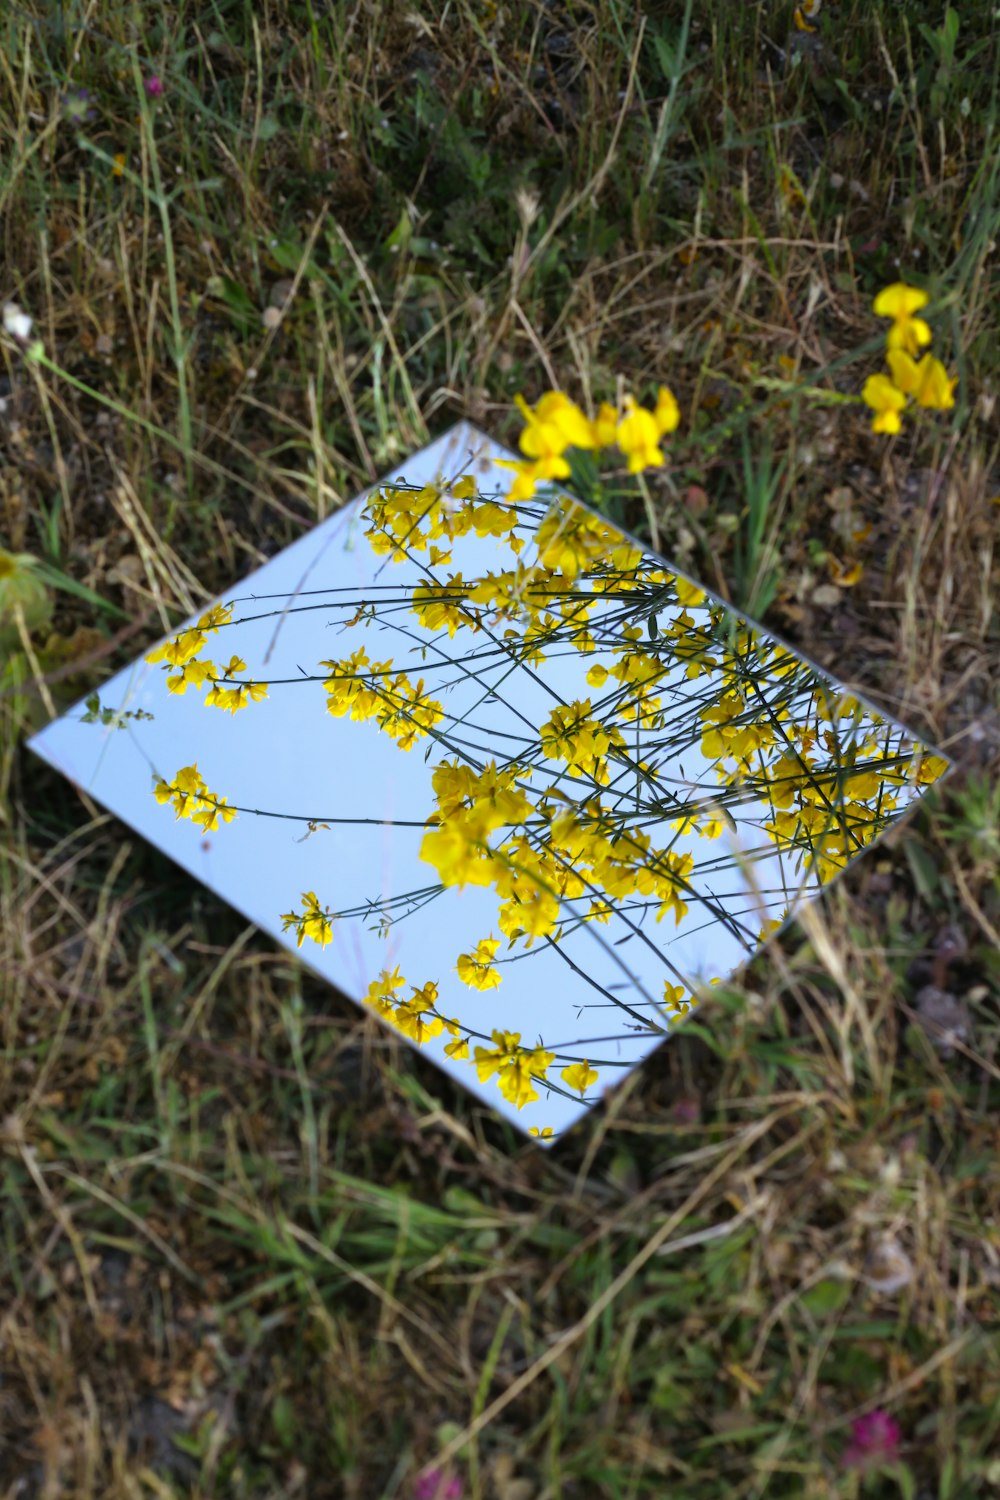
<point>676,1000</point>
<point>556,424</point>
<point>186,645</point>
<point>477,969</point>
<point>405,522</point>
<point>182,652</point>
<point>367,689</point>
<point>417,1017</point>
<point>191,798</point>
<point>923,379</point>
<point>518,1068</point>
<point>571,733</point>
<point>470,806</point>
<point>311,922</point>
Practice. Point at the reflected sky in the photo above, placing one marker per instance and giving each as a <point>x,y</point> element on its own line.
<point>499,774</point>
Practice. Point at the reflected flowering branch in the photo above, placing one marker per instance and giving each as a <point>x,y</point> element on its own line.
<point>678,748</point>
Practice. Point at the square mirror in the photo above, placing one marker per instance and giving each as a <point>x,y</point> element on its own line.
<point>498,774</point>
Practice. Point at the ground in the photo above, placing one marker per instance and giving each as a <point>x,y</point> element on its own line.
<point>251,1246</point>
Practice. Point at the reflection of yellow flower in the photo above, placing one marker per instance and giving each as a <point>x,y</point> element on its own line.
<point>688,593</point>
<point>477,969</point>
<point>886,401</point>
<point>489,1059</point>
<point>381,993</point>
<point>544,1134</point>
<point>415,1017</point>
<point>179,650</point>
<point>192,799</point>
<point>517,1066</point>
<point>572,734</point>
<point>209,813</point>
<point>579,1076</point>
<point>312,922</point>
<point>929,768</point>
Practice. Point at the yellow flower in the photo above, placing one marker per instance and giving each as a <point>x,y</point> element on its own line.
<point>458,851</point>
<point>886,401</point>
<point>219,614</point>
<point>518,1072</point>
<point>198,672</point>
<point>192,799</point>
<point>180,650</point>
<point>544,1134</point>
<point>489,1059</point>
<point>477,969</point>
<point>900,302</point>
<point>312,922</point>
<point>929,768</point>
<point>926,380</point>
<point>528,475</point>
<point>381,993</point>
<point>410,1015</point>
<point>638,438</point>
<point>209,813</point>
<point>555,424</point>
<point>579,1076</point>
<point>603,428</point>
<point>666,412</point>
<point>188,779</point>
<point>534,915</point>
<point>688,593</point>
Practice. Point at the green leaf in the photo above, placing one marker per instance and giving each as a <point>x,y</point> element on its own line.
<point>826,1297</point>
<point>22,589</point>
<point>283,1421</point>
<point>56,579</point>
<point>236,298</point>
<point>922,868</point>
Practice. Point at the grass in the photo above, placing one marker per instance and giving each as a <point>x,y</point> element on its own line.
<point>252,1247</point>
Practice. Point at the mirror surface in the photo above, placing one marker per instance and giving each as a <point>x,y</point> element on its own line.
<point>501,775</point>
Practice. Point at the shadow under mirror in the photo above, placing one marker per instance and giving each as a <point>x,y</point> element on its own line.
<point>506,778</point>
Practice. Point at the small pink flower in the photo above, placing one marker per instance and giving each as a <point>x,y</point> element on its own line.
<point>435,1484</point>
<point>874,1441</point>
<point>153,87</point>
<point>686,1111</point>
